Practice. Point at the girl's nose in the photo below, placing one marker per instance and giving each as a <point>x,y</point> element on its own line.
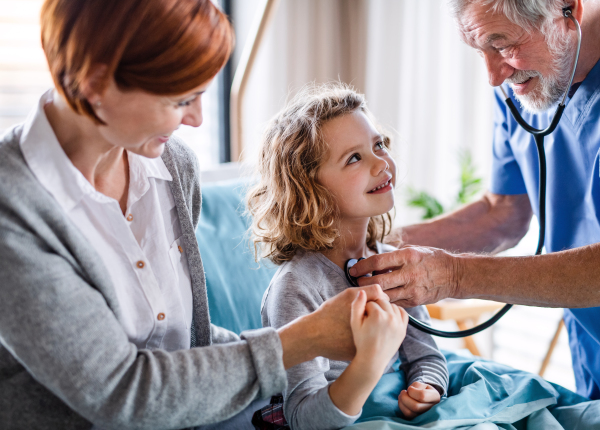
<point>380,165</point>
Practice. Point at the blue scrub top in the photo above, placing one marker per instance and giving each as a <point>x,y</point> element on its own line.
<point>573,197</point>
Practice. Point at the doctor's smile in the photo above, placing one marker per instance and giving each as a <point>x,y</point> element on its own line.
<point>524,86</point>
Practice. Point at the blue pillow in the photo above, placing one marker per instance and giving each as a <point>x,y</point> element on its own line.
<point>235,282</point>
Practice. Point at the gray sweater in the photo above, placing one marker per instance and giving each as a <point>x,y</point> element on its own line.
<point>299,287</point>
<point>65,361</point>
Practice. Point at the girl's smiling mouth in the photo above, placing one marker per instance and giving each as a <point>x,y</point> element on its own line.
<point>382,187</point>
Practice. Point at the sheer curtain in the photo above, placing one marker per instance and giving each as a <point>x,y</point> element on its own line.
<point>425,87</point>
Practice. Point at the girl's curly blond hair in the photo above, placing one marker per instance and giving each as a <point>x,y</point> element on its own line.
<point>290,210</point>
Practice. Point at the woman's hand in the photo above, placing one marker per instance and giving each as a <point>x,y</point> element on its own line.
<point>418,398</point>
<point>326,332</point>
<point>412,275</point>
<point>378,329</point>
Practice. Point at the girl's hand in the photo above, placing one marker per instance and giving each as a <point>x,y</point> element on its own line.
<point>378,328</point>
<point>417,399</point>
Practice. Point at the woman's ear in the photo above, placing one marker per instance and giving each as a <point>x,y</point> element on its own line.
<point>94,84</point>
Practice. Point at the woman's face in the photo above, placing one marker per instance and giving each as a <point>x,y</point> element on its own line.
<point>142,122</point>
<point>359,171</point>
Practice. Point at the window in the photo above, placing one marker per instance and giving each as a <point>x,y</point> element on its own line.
<point>24,76</point>
<point>211,140</point>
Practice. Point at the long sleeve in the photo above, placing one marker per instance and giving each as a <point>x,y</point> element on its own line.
<point>421,360</point>
<point>61,330</point>
<point>222,335</point>
<point>65,360</point>
<point>307,404</point>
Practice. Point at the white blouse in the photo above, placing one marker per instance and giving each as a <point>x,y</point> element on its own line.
<point>142,251</point>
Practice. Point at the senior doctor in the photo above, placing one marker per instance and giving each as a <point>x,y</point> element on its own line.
<point>528,48</point>
<point>104,317</point>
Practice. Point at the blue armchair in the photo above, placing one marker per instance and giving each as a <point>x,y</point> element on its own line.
<point>234,281</point>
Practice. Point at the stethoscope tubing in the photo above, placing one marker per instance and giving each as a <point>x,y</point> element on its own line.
<point>539,141</point>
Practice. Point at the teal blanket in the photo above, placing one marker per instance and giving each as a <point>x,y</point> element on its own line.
<point>484,395</point>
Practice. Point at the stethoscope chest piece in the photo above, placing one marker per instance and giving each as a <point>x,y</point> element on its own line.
<point>351,279</point>
<point>422,326</point>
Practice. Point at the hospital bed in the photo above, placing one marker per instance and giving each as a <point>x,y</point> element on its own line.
<point>483,395</point>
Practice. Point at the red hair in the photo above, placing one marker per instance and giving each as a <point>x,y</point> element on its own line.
<point>164,47</point>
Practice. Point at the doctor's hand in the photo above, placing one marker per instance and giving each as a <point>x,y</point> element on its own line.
<point>418,398</point>
<point>412,275</point>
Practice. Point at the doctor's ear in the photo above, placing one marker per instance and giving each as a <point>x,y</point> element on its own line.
<point>576,8</point>
<point>94,85</point>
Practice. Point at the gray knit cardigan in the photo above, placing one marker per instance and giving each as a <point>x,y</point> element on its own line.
<point>65,361</point>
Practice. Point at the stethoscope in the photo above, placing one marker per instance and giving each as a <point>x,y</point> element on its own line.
<point>539,141</point>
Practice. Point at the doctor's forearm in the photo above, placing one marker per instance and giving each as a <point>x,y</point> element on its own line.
<point>491,224</point>
<point>562,279</point>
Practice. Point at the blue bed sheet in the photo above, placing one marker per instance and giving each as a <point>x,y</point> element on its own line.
<point>484,395</point>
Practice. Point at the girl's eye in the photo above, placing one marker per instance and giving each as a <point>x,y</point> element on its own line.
<point>379,146</point>
<point>353,159</point>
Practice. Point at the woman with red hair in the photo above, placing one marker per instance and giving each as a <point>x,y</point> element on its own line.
<point>103,312</point>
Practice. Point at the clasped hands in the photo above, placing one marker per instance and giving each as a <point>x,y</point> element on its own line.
<point>408,277</point>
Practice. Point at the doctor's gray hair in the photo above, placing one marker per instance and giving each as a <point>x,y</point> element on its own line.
<point>528,14</point>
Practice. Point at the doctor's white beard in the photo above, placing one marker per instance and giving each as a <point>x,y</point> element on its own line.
<point>550,89</point>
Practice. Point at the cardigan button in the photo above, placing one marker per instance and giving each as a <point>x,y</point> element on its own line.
<point>140,264</point>
<point>129,217</point>
<point>160,316</point>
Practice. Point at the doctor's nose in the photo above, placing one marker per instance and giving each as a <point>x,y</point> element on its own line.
<point>498,69</point>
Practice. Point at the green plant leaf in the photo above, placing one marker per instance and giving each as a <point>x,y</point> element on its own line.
<point>425,201</point>
<point>470,184</point>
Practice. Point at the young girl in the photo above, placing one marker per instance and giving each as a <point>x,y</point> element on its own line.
<point>324,196</point>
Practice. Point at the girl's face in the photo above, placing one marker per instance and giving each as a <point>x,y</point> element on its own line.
<point>359,171</point>
<point>142,122</point>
